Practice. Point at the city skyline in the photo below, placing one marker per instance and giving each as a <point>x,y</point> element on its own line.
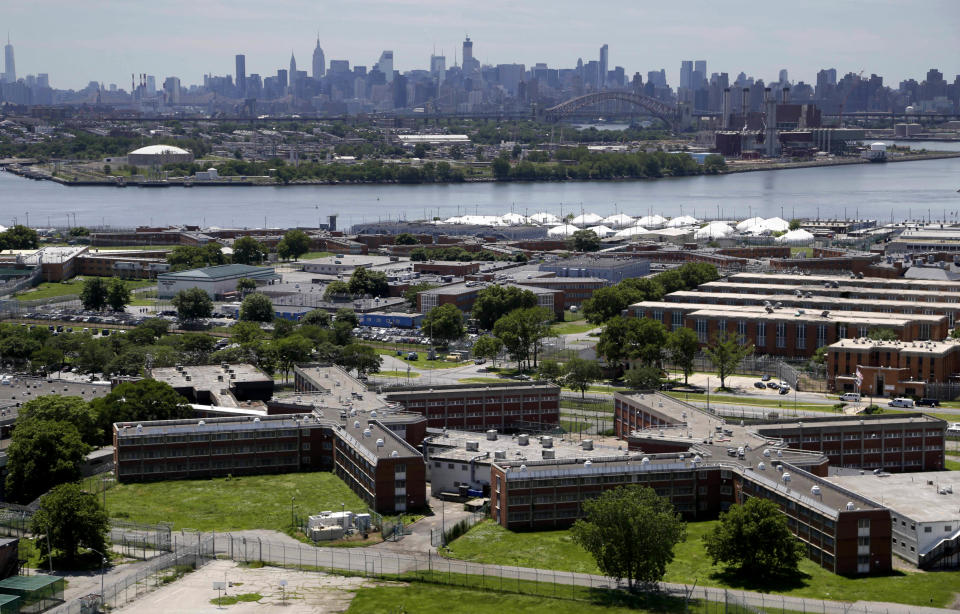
<point>75,46</point>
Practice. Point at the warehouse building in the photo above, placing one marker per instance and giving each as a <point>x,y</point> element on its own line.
<point>613,270</point>
<point>216,281</point>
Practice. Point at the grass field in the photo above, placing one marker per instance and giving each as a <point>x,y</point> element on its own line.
<point>248,502</point>
<point>482,380</point>
<point>571,328</point>
<point>310,255</point>
<point>422,362</point>
<point>951,465</point>
<point>784,401</point>
<point>50,289</point>
<point>490,543</point>
<point>412,374</point>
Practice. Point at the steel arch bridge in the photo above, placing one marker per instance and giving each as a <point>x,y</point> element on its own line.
<point>671,114</point>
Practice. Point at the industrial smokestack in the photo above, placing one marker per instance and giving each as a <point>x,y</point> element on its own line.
<point>786,95</point>
<point>770,120</point>
<point>725,111</point>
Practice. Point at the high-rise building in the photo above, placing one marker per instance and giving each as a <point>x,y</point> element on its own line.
<point>171,87</point>
<point>319,63</point>
<point>438,67</point>
<point>293,73</point>
<point>701,67</point>
<point>385,65</point>
<point>783,76</point>
<point>151,85</point>
<point>241,76</point>
<point>686,73</point>
<point>467,52</point>
<point>10,69</point>
<point>604,66</point>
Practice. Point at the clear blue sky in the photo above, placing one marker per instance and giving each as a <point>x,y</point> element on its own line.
<point>77,41</point>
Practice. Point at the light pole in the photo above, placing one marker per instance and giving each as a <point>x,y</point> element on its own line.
<point>103,563</point>
<point>293,520</point>
<point>343,513</point>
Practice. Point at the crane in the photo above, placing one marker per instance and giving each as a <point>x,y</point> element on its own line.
<point>844,101</point>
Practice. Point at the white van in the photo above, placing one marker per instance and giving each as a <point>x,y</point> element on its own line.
<point>901,402</point>
<point>850,396</point>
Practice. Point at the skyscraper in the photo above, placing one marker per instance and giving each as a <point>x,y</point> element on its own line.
<point>319,63</point>
<point>467,52</point>
<point>783,76</point>
<point>604,66</point>
<point>241,77</point>
<point>292,75</point>
<point>438,67</point>
<point>699,66</point>
<point>10,69</point>
<point>686,73</point>
<point>385,65</point>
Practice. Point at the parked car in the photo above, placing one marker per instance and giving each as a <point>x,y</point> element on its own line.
<point>765,378</point>
<point>850,396</point>
<point>784,389</point>
<point>413,356</point>
<point>901,402</point>
<point>929,402</point>
<point>773,385</point>
<point>759,385</point>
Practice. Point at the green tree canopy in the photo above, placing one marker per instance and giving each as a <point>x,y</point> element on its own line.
<point>294,244</point>
<point>579,373</point>
<point>364,282</point>
<point>256,307</point>
<point>725,354</point>
<point>444,323</point>
<point>245,284</point>
<point>405,238</point>
<point>345,314</point>
<point>140,401</point>
<point>585,241</point>
<point>494,302</point>
<point>410,294</point>
<point>93,295</point>
<point>487,347</point>
<point>882,334</point>
<point>118,294</point>
<point>363,358</point>
<point>55,408</point>
<point>193,304</point>
<point>71,519</point>
<point>247,250</point>
<point>316,317</point>
<point>753,538</point>
<point>337,289</point>
<point>522,332</point>
<point>684,346</point>
<point>643,378</point>
<point>42,454</point>
<point>631,533</point>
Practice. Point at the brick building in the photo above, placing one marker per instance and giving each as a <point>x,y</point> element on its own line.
<point>505,407</point>
<point>464,295</point>
<point>457,269</point>
<point>892,368</point>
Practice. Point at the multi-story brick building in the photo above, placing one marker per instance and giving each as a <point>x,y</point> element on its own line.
<point>892,368</point>
<point>505,407</point>
<point>464,295</point>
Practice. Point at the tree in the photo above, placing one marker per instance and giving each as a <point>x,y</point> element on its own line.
<point>631,533</point>
<point>725,354</point>
<point>487,347</point>
<point>118,294</point>
<point>54,408</point>
<point>21,237</point>
<point>795,224</point>
<point>643,378</point>
<point>754,539</point>
<point>364,282</point>
<point>714,163</point>
<point>585,241</point>
<point>245,284</point>
<point>579,373</point>
<point>444,323</point>
<point>607,303</point>
<point>501,168</point>
<point>882,334</point>
<point>295,243</point>
<point>683,346</point>
<point>246,332</point>
<point>315,317</point>
<point>549,370</point>
<point>363,358</point>
<point>139,401</point>
<point>71,519</point>
<point>195,348</point>
<point>494,302</point>
<point>247,250</point>
<point>42,454</point>
<point>93,295</point>
<point>336,289</point>
<point>257,307</point>
<point>647,341</point>
<point>522,332</point>
<point>192,304</point>
<point>405,238</point>
<point>410,294</point>
<point>291,350</point>
<point>345,314</point>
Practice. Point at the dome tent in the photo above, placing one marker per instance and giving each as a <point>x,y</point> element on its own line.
<point>776,224</point>
<point>633,231</point>
<point>796,237</point>
<point>652,221</point>
<point>619,220</point>
<point>544,218</point>
<point>713,230</point>
<point>602,231</point>
<point>586,219</point>
<point>564,230</point>
<point>748,224</point>
<point>683,220</point>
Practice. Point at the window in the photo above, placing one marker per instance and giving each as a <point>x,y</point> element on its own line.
<point>762,334</point>
<point>449,465</point>
<point>702,331</point>
<point>742,330</point>
<point>863,541</point>
<point>927,529</point>
<point>801,336</point>
<point>306,446</point>
<point>842,332</point>
<point>781,334</point>
<point>658,315</point>
<point>863,523</point>
<point>722,326</point>
<point>821,335</point>
<point>677,319</point>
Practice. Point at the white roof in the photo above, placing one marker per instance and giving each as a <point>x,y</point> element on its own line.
<point>619,220</point>
<point>652,221</point>
<point>749,223</point>
<point>159,150</point>
<point>513,219</point>
<point>563,230</point>
<point>586,219</point>
<point>544,218</point>
<point>776,224</point>
<point>713,230</point>
<point>796,237</point>
<point>633,231</point>
<point>683,220</point>
<point>602,231</point>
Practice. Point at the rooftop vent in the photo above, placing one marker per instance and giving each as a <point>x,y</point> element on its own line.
<point>380,443</point>
<point>587,444</point>
<point>473,446</point>
<point>851,506</point>
<point>492,435</point>
<point>394,454</point>
<point>786,478</point>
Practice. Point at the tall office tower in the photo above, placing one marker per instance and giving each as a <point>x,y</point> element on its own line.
<point>43,80</point>
<point>171,87</point>
<point>385,65</point>
<point>604,66</point>
<point>241,77</point>
<point>10,69</point>
<point>701,67</point>
<point>319,64</point>
<point>783,76</point>
<point>686,73</point>
<point>467,52</point>
<point>293,72</point>
<point>151,84</point>
<point>438,67</point>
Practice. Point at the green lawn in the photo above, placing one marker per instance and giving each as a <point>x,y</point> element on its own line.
<point>311,255</point>
<point>412,374</point>
<point>571,328</point>
<point>952,465</point>
<point>782,402</point>
<point>569,316</point>
<point>50,289</point>
<point>482,380</point>
<point>248,502</point>
<point>422,362</point>
<point>489,543</point>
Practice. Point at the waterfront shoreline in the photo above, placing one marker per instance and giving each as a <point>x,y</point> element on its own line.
<point>735,168</point>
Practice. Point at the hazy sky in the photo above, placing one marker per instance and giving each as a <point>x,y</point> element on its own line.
<point>77,41</point>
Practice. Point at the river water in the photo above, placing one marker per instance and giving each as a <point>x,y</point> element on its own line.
<point>882,191</point>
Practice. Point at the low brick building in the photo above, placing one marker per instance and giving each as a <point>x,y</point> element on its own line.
<point>892,368</point>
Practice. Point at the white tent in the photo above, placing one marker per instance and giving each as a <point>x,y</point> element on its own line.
<point>544,218</point>
<point>776,224</point>
<point>619,220</point>
<point>633,231</point>
<point>564,230</point>
<point>513,219</point>
<point>586,219</point>
<point>747,224</point>
<point>683,220</point>
<point>652,221</point>
<point>796,237</point>
<point>713,230</point>
<point>602,231</point>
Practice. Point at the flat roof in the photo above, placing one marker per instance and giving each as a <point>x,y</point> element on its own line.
<point>847,280</point>
<point>337,389</point>
<point>468,287</point>
<point>903,347</point>
<point>779,295</point>
<point>351,260</point>
<point>452,445</point>
<point>914,495</point>
<point>934,293</point>
<point>224,271</point>
<point>792,313</point>
<point>460,388</point>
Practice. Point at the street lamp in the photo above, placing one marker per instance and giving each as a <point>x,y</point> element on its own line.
<point>103,562</point>
<point>293,520</point>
